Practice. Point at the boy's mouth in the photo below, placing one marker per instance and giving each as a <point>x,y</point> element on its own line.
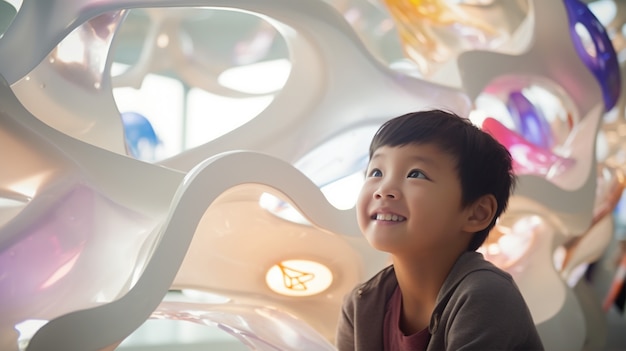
<point>389,217</point>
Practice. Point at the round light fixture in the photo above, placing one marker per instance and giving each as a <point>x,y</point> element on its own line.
<point>298,278</point>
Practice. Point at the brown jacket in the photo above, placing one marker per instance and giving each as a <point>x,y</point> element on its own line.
<point>479,307</point>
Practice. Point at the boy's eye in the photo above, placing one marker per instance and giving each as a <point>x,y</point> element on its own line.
<point>416,174</point>
<point>375,173</point>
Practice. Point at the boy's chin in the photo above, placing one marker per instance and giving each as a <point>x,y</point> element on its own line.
<point>381,244</point>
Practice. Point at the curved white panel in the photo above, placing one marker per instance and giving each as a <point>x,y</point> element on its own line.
<point>551,55</point>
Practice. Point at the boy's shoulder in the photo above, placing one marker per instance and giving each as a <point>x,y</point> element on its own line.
<point>472,272</point>
<point>488,287</point>
<point>473,263</point>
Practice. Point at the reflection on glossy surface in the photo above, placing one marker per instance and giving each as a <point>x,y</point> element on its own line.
<point>260,327</point>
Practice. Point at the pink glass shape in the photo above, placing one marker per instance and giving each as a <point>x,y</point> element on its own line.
<point>527,157</point>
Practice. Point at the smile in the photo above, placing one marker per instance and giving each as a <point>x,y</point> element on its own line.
<point>388,217</point>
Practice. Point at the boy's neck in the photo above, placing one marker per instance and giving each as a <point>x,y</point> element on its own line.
<point>420,279</point>
<point>424,274</point>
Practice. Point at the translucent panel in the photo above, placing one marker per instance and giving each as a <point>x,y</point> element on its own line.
<point>226,66</point>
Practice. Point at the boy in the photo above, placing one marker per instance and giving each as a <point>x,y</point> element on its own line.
<point>435,185</point>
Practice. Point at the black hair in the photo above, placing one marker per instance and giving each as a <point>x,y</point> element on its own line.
<point>484,165</point>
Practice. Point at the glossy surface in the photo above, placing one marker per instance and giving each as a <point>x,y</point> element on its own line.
<point>602,59</point>
<point>257,327</point>
<point>550,54</point>
<point>74,205</point>
<point>528,158</point>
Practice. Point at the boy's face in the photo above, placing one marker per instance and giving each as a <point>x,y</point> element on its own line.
<point>410,201</point>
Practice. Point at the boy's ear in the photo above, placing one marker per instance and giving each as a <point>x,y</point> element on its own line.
<point>481,213</point>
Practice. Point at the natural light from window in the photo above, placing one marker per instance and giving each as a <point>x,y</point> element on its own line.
<point>186,118</point>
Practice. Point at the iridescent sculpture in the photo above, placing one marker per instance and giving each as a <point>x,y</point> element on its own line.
<point>435,32</point>
<point>155,231</point>
<point>72,198</point>
<point>573,181</point>
<point>602,61</point>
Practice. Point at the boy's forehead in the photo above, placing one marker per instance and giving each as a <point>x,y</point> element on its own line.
<point>423,152</point>
<point>409,148</point>
<point>426,153</point>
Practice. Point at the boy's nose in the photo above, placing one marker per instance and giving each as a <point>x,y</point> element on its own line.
<point>385,193</point>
